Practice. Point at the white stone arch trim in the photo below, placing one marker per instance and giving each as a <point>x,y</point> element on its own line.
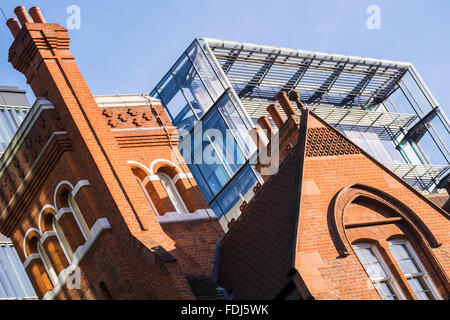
<point>25,239</point>
<point>74,191</point>
<point>44,208</point>
<point>142,166</point>
<point>79,185</point>
<point>154,162</point>
<point>60,184</point>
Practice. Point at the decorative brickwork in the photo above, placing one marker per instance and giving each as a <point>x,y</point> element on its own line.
<point>325,142</point>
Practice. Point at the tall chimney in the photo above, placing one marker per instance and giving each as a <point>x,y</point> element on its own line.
<point>13,26</point>
<point>264,123</point>
<point>276,115</point>
<point>22,15</point>
<point>283,100</point>
<point>36,15</point>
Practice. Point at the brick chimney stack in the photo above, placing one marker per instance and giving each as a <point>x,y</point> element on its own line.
<point>41,51</point>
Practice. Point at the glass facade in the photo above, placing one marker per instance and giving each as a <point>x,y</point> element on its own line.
<point>383,106</point>
<point>214,128</point>
<point>14,282</point>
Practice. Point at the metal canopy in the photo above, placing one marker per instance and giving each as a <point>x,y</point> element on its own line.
<point>257,108</point>
<point>263,71</point>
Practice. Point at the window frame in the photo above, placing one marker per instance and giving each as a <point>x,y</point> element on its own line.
<point>174,190</point>
<point>68,252</point>
<point>419,265</point>
<point>47,264</point>
<point>392,282</point>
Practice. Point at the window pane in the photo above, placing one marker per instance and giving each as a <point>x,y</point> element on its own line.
<point>245,180</point>
<point>206,72</point>
<point>228,198</point>
<point>188,79</point>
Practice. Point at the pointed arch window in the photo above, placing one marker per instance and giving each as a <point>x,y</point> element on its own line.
<point>172,192</point>
<point>149,199</point>
<point>414,271</point>
<point>378,272</point>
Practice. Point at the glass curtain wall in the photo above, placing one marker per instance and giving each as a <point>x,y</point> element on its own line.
<point>10,120</point>
<point>213,128</point>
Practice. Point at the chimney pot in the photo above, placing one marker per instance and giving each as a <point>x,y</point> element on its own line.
<point>22,15</point>
<point>264,123</point>
<point>283,100</point>
<point>36,15</point>
<point>276,115</point>
<point>13,26</point>
<point>258,138</point>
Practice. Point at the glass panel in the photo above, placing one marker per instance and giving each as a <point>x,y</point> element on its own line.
<point>216,129</point>
<point>404,259</point>
<point>20,271</point>
<point>228,198</point>
<point>171,192</point>
<point>385,290</point>
<point>207,74</point>
<point>217,210</point>
<point>235,122</point>
<point>188,79</point>
<point>245,180</point>
<point>421,289</point>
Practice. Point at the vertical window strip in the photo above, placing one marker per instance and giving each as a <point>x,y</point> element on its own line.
<point>413,270</point>
<point>47,264</point>
<point>79,217</point>
<point>378,272</point>
<point>62,240</point>
<point>18,266</point>
<point>173,194</point>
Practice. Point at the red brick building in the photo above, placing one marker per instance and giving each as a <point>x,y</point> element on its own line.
<point>95,193</point>
<point>96,189</point>
<point>337,224</point>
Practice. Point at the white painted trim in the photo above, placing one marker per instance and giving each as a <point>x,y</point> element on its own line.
<point>126,100</point>
<point>30,258</point>
<point>62,211</point>
<point>148,172</point>
<point>16,142</point>
<point>46,235</point>
<point>174,187</point>
<point>99,226</point>
<point>198,215</point>
<point>182,176</point>
<point>143,129</point>
<point>78,186</point>
<point>60,184</point>
<point>152,165</point>
<point>25,239</point>
<point>48,206</point>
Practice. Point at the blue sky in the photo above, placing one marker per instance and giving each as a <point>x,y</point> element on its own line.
<point>127,46</point>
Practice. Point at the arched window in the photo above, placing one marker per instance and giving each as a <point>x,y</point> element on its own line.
<point>62,239</point>
<point>172,192</point>
<point>413,270</point>
<point>149,199</point>
<point>47,264</point>
<point>78,216</point>
<point>378,272</point>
